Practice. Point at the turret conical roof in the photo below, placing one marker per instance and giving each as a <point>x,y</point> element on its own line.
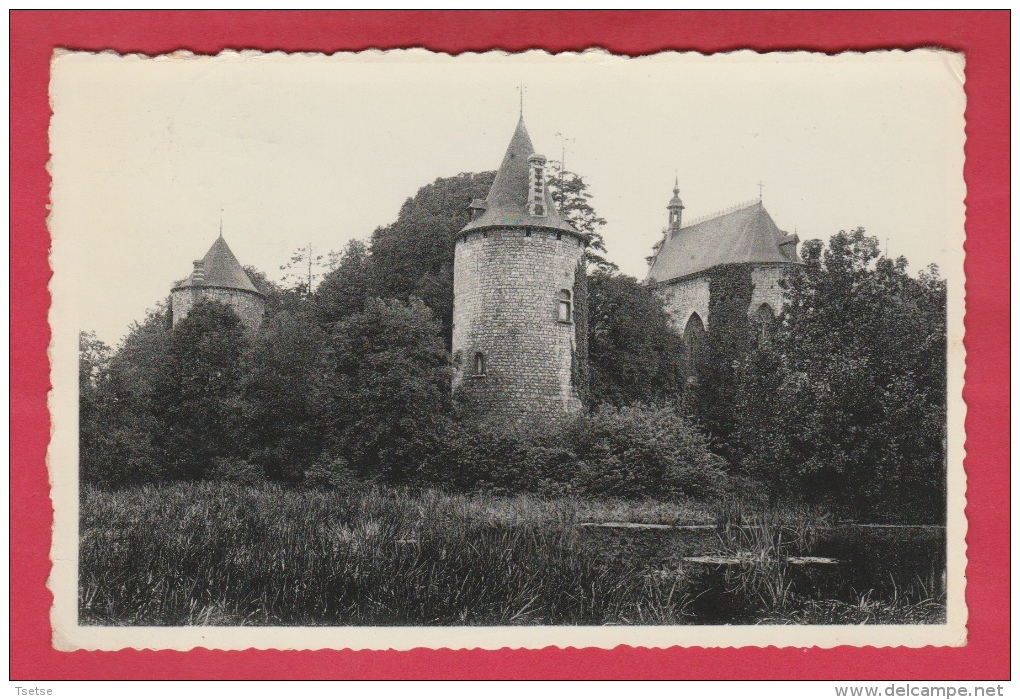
<point>222,269</point>
<point>507,201</point>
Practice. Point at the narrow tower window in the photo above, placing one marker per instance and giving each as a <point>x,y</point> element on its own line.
<point>766,318</point>
<point>565,312</point>
<point>479,364</point>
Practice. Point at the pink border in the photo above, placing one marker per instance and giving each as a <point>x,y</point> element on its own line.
<point>983,36</point>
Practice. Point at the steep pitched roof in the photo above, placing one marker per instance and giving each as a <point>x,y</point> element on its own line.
<point>223,270</point>
<point>507,201</point>
<point>745,235</point>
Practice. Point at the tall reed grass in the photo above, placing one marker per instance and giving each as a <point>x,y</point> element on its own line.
<point>230,554</point>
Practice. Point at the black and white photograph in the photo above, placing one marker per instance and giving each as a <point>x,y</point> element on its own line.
<point>397,348</point>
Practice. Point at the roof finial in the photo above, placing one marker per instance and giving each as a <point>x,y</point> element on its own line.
<point>520,91</point>
<point>761,186</point>
<point>563,151</point>
<point>676,182</point>
<point>221,222</point>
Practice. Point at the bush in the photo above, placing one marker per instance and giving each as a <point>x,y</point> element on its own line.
<point>484,455</point>
<point>386,380</point>
<point>236,470</point>
<point>644,451</point>
<point>634,452</point>
<point>332,473</point>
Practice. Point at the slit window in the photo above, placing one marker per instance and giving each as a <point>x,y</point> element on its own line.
<point>565,307</point>
<point>479,367</point>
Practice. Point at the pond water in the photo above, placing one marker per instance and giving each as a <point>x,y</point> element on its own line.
<point>883,563</point>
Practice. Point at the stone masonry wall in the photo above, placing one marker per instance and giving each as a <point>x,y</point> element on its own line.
<point>249,307</point>
<point>766,288</point>
<point>505,286</point>
<point>684,297</point>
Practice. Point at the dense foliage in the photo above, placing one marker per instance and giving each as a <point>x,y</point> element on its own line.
<point>413,257</point>
<point>846,402</point>
<point>634,353</point>
<point>842,402</point>
<point>712,396</point>
<point>387,389</point>
<point>195,393</point>
<point>570,194</point>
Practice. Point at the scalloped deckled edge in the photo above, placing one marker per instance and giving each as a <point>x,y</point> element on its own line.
<point>62,401</point>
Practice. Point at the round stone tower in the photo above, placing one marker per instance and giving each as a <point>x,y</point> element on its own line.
<point>219,277</point>
<point>518,278</point>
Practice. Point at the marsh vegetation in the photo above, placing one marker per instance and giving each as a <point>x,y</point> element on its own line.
<point>231,554</point>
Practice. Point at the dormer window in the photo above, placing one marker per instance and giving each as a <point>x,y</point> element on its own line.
<point>536,185</point>
<point>477,208</point>
<point>565,307</point>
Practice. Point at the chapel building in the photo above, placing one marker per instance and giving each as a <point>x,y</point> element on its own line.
<point>683,263</point>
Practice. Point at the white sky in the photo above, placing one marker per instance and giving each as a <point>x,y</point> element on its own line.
<point>303,148</point>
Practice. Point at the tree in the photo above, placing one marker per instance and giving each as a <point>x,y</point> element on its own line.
<point>347,287</point>
<point>282,412</point>
<point>847,402</point>
<point>277,297</point>
<point>413,257</point>
<point>387,383</point>
<point>117,426</point>
<point>305,267</point>
<point>634,355</point>
<point>197,392</point>
<point>93,378</point>
<point>570,194</point>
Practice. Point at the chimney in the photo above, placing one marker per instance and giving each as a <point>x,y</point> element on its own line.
<point>198,274</point>
<point>536,185</point>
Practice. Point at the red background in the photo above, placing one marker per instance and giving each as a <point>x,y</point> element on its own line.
<point>983,36</point>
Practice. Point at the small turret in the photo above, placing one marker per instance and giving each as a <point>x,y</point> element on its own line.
<point>219,277</point>
<point>676,209</point>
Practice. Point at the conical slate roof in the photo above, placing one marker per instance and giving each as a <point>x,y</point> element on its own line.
<point>745,235</point>
<point>507,201</point>
<point>222,269</point>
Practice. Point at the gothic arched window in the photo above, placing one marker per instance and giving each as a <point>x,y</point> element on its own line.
<point>565,310</point>
<point>694,343</point>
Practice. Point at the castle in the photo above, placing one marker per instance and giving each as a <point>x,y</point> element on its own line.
<point>519,288</point>
<point>219,277</point>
